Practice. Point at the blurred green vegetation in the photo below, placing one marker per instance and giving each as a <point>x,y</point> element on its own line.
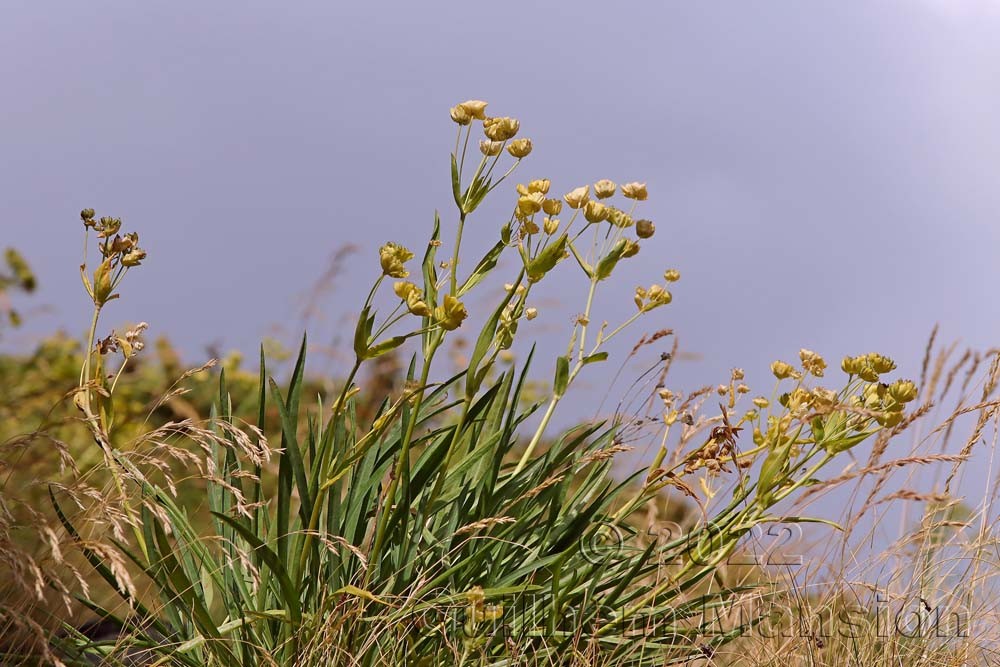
<point>15,276</point>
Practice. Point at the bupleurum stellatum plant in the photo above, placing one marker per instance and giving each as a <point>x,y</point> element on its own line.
<point>444,530</point>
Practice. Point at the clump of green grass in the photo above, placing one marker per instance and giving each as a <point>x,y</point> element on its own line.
<point>452,526</point>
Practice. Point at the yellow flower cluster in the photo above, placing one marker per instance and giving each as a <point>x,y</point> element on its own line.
<point>531,200</point>
<point>413,297</point>
<point>519,148</point>
<point>868,367</point>
<point>451,313</point>
<point>887,401</point>
<point>498,130</point>
<point>466,112</point>
<point>635,191</point>
<point>646,299</point>
<point>579,197</point>
<point>604,188</point>
<point>783,370</point>
<point>812,362</point>
<point>393,257</point>
<point>501,129</point>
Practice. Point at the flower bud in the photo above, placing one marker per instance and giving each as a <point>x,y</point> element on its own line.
<point>490,148</point>
<point>552,206</point>
<point>631,248</point>
<point>671,275</point>
<point>531,313</point>
<point>640,297</point>
<point>635,191</point>
<point>644,229</point>
<point>520,148</point>
<point>889,419</point>
<point>604,189</point>
<point>654,297</point>
<point>550,225</point>
<point>578,197</point>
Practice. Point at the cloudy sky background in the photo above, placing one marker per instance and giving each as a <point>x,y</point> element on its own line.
<point>824,174</point>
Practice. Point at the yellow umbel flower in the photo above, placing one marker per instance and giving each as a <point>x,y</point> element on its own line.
<point>782,370</point>
<point>539,185</point>
<point>635,191</point>
<point>501,129</point>
<point>812,362</point>
<point>490,148</point>
<point>520,148</point>
<point>552,206</point>
<point>475,108</point>
<point>460,115</point>
<point>451,313</point>
<point>578,197</point>
<point>411,294</point>
<point>595,211</point>
<point>530,204</point>
<point>604,188</point>
<point>392,257</point>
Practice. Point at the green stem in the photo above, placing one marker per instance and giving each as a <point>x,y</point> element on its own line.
<point>456,434</point>
<point>88,351</point>
<point>454,256</point>
<point>784,493</point>
<point>404,453</point>
<point>537,437</point>
<point>586,317</point>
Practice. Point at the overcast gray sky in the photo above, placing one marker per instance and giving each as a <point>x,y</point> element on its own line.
<point>824,174</point>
